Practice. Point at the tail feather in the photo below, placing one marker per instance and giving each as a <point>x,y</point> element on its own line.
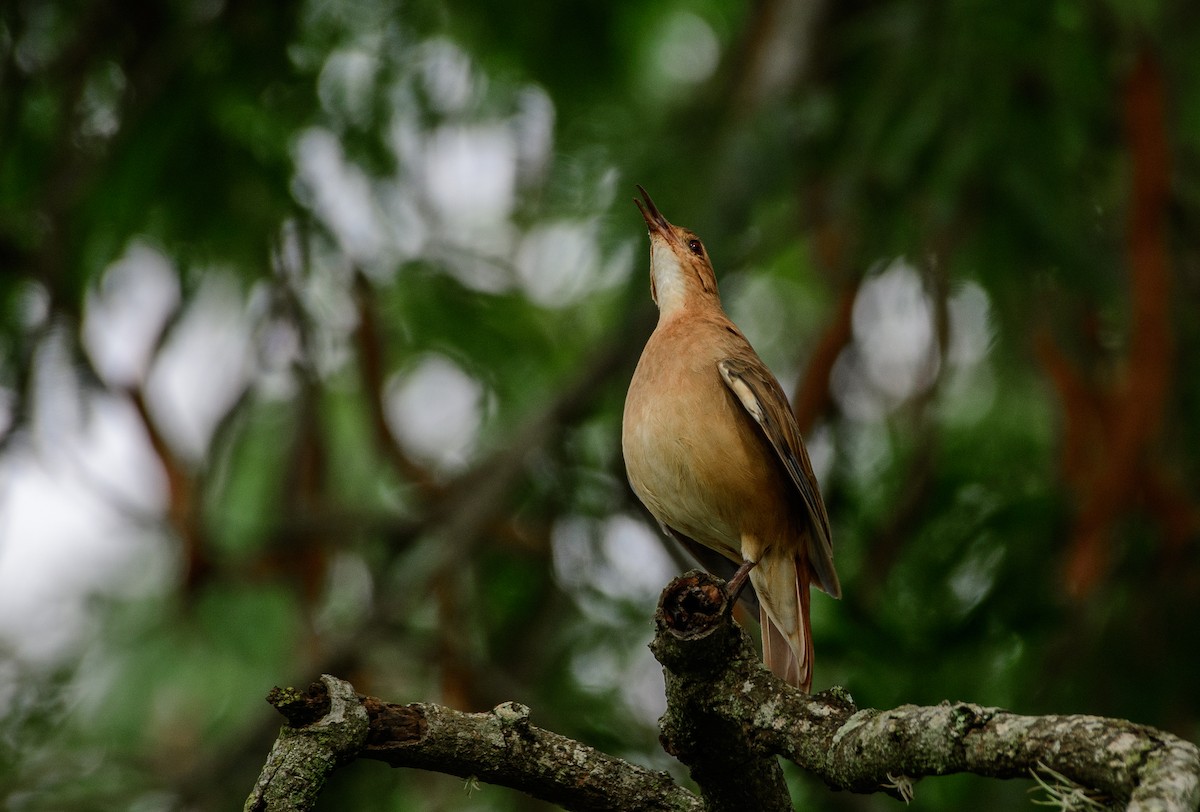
<point>782,585</point>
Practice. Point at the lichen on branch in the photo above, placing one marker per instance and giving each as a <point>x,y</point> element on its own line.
<point>727,719</point>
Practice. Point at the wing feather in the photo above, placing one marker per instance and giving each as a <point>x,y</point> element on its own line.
<point>756,389</point>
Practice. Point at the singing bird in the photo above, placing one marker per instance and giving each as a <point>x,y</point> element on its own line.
<point>713,451</point>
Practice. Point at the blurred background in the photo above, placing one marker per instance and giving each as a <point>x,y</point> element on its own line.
<point>317,320</point>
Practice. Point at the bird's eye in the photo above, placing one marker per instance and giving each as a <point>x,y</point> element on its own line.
<point>696,247</point>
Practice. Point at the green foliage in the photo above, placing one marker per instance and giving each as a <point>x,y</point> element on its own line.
<point>398,458</point>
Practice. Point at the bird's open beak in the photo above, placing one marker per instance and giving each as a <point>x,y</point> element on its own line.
<point>654,219</point>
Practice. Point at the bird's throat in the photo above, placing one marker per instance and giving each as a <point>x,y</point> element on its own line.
<point>672,288</point>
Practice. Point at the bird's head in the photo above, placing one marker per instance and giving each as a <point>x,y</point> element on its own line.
<point>680,271</point>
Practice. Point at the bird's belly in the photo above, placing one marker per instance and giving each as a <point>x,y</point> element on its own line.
<point>692,472</point>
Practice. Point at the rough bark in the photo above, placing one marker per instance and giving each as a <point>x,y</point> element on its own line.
<point>500,747</point>
<point>727,719</point>
<point>711,665</point>
<point>303,757</point>
<point>733,772</point>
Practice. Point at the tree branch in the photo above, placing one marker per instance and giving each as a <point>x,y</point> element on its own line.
<point>727,718</point>
<point>698,652</point>
<point>303,757</point>
<point>499,747</point>
<point>711,665</point>
<point>502,747</point>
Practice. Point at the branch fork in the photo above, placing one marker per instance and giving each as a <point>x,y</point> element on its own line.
<point>727,720</point>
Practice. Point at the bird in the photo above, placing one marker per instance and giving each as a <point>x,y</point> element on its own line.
<point>713,450</point>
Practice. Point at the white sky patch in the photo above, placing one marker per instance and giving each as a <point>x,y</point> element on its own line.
<point>124,316</point>
<point>470,174</point>
<point>455,188</point>
<point>620,262</point>
<point>32,304</point>
<point>894,355</point>
<point>348,594</point>
<point>57,399</point>
<point>62,537</point>
<point>893,324</point>
<point>619,557</point>
<point>687,49</point>
<point>113,456</point>
<point>339,193</point>
<point>436,410</point>
<point>970,387</point>
<point>482,262</point>
<point>405,227</point>
<point>405,138</point>
<point>763,307</point>
<point>971,330</point>
<point>81,499</point>
<point>596,669</point>
<point>468,177</point>
<point>533,129</point>
<point>447,75</point>
<point>642,685</point>
<point>572,552</point>
<point>600,563</point>
<point>327,293</point>
<point>636,565</point>
<point>101,101</point>
<point>975,576</point>
<point>203,367</point>
<point>346,84</point>
<point>557,262</point>
<point>8,402</point>
<point>821,451</point>
<point>968,394</point>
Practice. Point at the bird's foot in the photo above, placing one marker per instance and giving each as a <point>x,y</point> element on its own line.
<point>735,585</point>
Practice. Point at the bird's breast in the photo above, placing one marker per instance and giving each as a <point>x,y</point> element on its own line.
<point>692,455</point>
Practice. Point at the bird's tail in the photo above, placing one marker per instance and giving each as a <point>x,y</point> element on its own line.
<point>782,586</point>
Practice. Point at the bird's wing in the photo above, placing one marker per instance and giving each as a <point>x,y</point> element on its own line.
<point>761,396</point>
